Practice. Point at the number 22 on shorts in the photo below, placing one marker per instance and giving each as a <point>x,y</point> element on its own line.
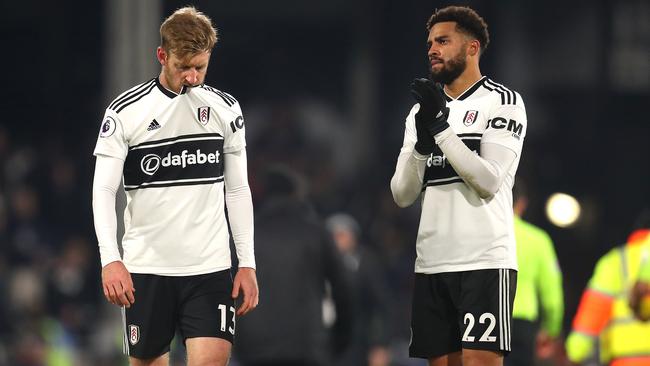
<point>485,317</point>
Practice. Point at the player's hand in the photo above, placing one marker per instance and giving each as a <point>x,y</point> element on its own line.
<point>246,282</point>
<point>545,346</point>
<point>433,112</point>
<point>425,143</point>
<point>118,285</point>
<point>640,300</point>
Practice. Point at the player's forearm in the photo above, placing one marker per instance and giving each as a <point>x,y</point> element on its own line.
<point>240,215</point>
<point>406,183</point>
<point>105,184</point>
<point>552,300</point>
<point>553,305</point>
<point>552,321</point>
<point>483,174</point>
<point>551,293</point>
<point>240,207</point>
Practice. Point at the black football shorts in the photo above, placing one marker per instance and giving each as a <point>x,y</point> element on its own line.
<point>456,310</point>
<point>196,306</point>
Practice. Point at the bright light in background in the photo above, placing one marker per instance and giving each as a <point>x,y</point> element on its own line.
<point>562,209</point>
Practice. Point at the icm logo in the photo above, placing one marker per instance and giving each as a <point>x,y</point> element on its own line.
<point>238,123</point>
<point>150,164</point>
<point>510,125</point>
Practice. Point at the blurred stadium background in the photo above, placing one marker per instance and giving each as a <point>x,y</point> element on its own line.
<point>324,88</point>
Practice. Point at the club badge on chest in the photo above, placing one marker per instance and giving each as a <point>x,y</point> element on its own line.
<point>203,114</point>
<point>470,118</point>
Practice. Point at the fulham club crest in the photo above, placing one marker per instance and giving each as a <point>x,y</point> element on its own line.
<point>204,115</point>
<point>470,118</point>
<point>134,334</point>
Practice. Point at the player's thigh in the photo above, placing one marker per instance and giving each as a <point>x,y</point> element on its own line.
<point>150,322</point>
<point>434,317</point>
<point>452,359</point>
<point>207,351</point>
<point>476,357</point>
<point>162,360</point>
<point>485,309</point>
<point>207,308</point>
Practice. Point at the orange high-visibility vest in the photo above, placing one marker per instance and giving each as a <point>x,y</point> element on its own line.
<point>604,313</point>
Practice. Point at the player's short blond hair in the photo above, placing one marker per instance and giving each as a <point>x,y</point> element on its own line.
<point>186,32</point>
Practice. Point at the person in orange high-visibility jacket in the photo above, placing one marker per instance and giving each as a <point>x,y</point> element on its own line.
<point>604,314</point>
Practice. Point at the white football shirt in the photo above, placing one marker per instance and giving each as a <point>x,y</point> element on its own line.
<point>172,146</point>
<point>460,231</point>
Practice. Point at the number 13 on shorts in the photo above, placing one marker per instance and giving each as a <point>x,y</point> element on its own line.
<point>222,310</point>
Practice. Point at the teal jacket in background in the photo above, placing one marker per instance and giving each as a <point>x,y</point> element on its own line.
<point>539,280</point>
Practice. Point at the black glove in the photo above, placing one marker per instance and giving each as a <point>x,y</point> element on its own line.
<point>425,143</point>
<point>431,119</point>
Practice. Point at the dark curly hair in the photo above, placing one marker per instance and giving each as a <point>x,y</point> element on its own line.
<point>467,21</point>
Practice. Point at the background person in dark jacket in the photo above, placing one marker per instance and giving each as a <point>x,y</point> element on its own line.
<point>296,263</point>
<point>369,345</point>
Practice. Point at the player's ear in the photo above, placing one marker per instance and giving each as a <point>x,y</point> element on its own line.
<point>474,47</point>
<point>161,54</point>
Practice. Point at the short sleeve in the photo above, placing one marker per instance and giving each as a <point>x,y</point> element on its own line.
<point>111,140</point>
<point>507,126</point>
<point>235,132</point>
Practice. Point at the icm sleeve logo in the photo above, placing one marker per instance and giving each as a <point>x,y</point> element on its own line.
<point>204,115</point>
<point>511,125</point>
<point>237,124</point>
<point>108,127</point>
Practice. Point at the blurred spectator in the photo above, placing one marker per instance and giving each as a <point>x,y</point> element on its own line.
<point>65,206</point>
<point>72,292</point>
<point>28,233</point>
<point>37,338</point>
<point>369,336</point>
<point>604,314</point>
<point>296,260</point>
<point>539,281</point>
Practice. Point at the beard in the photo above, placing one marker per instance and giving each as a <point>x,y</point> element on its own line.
<point>451,69</point>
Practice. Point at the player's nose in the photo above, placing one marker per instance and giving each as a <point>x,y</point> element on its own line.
<point>433,52</point>
<point>192,77</point>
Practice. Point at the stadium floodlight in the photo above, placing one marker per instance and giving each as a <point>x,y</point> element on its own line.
<point>562,210</point>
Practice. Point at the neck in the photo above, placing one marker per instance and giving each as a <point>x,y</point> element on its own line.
<point>165,83</point>
<point>471,75</point>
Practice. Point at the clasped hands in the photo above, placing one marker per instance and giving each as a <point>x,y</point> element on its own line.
<point>431,119</point>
